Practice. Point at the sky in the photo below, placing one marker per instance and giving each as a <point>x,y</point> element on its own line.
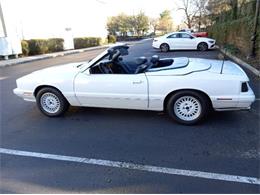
<point>49,18</point>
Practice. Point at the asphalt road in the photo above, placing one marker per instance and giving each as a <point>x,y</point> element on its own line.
<point>226,143</point>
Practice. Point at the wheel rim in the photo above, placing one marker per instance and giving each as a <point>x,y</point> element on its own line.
<point>50,102</point>
<point>187,108</point>
<point>164,48</point>
<point>202,47</point>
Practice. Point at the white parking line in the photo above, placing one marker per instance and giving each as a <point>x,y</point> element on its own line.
<point>257,99</point>
<point>3,78</point>
<point>117,164</point>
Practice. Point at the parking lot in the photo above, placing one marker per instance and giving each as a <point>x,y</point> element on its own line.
<point>227,143</point>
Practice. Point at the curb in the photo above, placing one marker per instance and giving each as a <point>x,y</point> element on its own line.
<point>47,56</point>
<point>240,62</point>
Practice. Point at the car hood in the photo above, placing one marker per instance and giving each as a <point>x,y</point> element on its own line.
<point>55,74</point>
<point>70,68</point>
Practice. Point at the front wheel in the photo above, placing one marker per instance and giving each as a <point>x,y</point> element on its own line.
<point>187,107</point>
<point>51,102</point>
<point>202,47</point>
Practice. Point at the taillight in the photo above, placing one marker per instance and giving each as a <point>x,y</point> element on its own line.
<point>244,87</point>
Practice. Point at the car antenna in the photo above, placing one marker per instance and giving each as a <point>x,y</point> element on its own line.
<point>222,57</point>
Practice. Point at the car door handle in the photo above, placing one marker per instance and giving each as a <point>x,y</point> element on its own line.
<point>137,82</point>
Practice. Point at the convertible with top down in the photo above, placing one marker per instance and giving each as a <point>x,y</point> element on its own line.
<point>186,88</point>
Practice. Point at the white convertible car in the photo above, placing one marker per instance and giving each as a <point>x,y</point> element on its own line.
<point>182,41</point>
<point>187,88</point>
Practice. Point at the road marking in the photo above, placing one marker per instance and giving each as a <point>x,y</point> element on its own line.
<point>3,78</point>
<point>257,99</point>
<point>148,168</point>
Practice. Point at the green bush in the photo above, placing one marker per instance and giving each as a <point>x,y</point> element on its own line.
<point>232,49</point>
<point>55,44</point>
<point>37,46</point>
<point>84,42</point>
<point>25,47</point>
<point>111,38</point>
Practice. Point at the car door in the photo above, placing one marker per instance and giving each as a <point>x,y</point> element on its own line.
<point>129,91</point>
<point>187,41</point>
<point>174,41</point>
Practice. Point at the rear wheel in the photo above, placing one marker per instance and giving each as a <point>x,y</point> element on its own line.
<point>187,107</point>
<point>51,102</point>
<point>165,47</point>
<point>202,47</point>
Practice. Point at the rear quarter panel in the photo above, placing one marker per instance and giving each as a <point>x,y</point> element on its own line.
<point>213,84</point>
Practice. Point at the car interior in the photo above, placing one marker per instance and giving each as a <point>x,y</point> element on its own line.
<point>114,63</point>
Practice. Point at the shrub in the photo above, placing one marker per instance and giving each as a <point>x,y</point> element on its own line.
<point>55,44</point>
<point>37,46</point>
<point>25,47</point>
<point>84,42</point>
<point>111,38</point>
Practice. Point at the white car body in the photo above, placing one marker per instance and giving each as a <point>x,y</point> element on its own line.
<point>220,81</point>
<point>182,41</point>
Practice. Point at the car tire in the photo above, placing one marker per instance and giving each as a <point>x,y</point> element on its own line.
<point>203,46</point>
<point>188,107</point>
<point>164,47</point>
<point>51,102</point>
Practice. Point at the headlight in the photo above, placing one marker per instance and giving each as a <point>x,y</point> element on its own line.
<point>211,41</point>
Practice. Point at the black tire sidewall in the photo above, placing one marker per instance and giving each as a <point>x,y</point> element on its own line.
<point>205,46</point>
<point>200,97</point>
<point>63,102</point>
<point>165,44</point>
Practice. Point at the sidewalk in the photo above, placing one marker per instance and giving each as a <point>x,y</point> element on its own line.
<point>4,63</point>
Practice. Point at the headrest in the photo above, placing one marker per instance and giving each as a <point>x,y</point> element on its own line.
<point>120,58</point>
<point>154,59</point>
<point>141,60</point>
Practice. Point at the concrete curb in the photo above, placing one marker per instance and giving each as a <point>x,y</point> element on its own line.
<point>240,62</point>
<point>47,56</point>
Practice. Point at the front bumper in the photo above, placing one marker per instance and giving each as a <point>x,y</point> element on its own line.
<point>26,95</point>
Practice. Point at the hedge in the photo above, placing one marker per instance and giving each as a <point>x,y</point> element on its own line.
<point>25,48</point>
<point>37,46</point>
<point>237,33</point>
<point>84,42</point>
<point>55,44</point>
<point>42,46</point>
<point>111,38</point>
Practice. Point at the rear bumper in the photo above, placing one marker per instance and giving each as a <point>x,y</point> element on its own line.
<point>241,102</point>
<point>26,95</point>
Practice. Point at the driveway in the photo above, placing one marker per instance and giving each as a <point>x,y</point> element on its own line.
<point>156,154</point>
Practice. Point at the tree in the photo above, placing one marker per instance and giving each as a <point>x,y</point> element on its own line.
<point>201,12</point>
<point>190,11</point>
<point>122,24</point>
<point>141,23</point>
<point>165,21</point>
<point>154,23</point>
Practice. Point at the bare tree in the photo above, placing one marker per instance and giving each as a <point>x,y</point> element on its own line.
<point>190,11</point>
<point>154,23</point>
<point>201,11</point>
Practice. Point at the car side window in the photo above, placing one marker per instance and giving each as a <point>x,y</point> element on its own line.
<point>185,35</point>
<point>176,35</point>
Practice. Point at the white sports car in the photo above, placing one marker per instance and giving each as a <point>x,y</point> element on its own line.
<point>182,41</point>
<point>187,88</point>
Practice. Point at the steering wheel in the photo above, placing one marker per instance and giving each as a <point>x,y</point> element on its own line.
<point>105,69</point>
<point>109,70</point>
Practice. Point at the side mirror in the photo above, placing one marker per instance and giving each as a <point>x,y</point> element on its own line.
<point>191,37</point>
